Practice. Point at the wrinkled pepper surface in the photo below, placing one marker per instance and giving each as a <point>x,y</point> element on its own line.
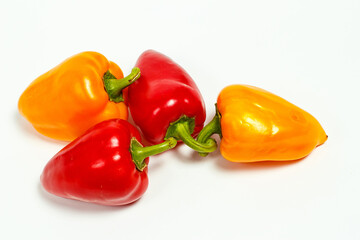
<point>106,165</point>
<point>256,125</point>
<point>70,98</point>
<point>165,102</point>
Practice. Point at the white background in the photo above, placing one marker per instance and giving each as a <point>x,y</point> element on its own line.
<point>307,51</point>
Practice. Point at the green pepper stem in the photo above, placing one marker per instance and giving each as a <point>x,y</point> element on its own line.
<point>184,135</point>
<point>139,153</point>
<point>115,86</point>
<point>182,130</point>
<point>213,127</point>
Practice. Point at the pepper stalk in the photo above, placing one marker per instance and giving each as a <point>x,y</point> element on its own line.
<point>213,127</point>
<point>139,153</point>
<point>115,86</point>
<point>182,130</point>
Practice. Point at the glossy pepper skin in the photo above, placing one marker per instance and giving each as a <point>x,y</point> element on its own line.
<point>100,166</point>
<point>163,94</point>
<point>70,98</point>
<point>257,125</point>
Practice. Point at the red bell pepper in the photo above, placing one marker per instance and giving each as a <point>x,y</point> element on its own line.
<point>106,165</point>
<point>165,102</point>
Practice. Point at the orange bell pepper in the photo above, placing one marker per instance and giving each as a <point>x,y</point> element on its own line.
<point>256,125</point>
<point>70,98</point>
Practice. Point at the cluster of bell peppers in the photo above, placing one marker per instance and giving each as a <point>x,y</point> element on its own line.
<point>86,99</point>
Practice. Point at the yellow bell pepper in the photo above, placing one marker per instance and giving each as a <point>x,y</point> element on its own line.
<point>70,98</point>
<point>256,125</point>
